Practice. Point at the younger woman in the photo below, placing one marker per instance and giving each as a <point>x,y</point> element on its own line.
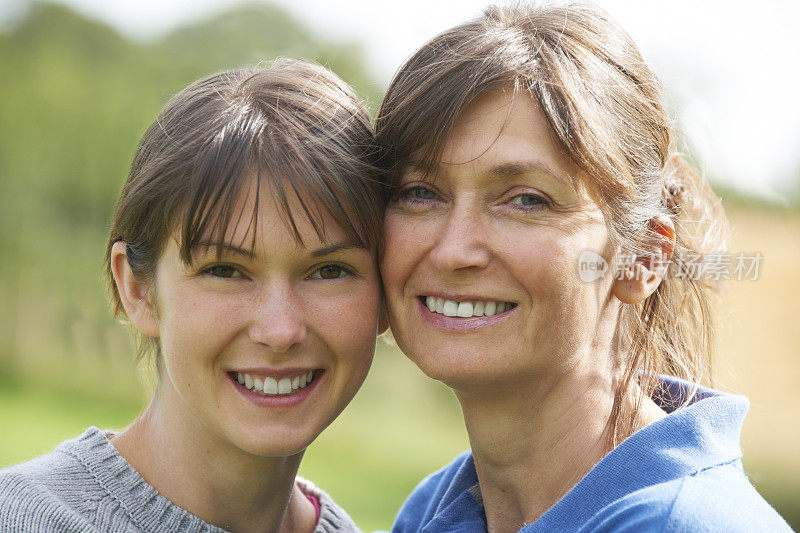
<point>243,251</point>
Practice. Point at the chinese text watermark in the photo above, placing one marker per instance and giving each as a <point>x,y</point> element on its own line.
<point>715,266</point>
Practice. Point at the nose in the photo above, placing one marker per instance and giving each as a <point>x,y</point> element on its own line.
<point>279,321</point>
<point>460,243</point>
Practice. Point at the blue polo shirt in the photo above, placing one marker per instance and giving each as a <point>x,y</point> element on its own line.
<point>679,474</point>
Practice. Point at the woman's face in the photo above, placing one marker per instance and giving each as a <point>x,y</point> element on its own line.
<point>497,230</point>
<point>296,325</point>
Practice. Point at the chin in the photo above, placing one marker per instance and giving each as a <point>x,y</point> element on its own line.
<point>275,442</point>
<point>274,449</point>
<point>467,372</point>
<point>449,374</point>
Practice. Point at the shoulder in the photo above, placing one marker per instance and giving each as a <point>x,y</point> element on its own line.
<point>716,499</point>
<point>45,494</point>
<point>53,473</point>
<point>426,498</point>
<point>61,471</point>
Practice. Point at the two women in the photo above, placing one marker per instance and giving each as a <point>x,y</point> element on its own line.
<point>244,248</point>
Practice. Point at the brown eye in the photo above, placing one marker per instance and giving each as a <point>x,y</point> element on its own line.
<point>330,272</point>
<point>222,271</point>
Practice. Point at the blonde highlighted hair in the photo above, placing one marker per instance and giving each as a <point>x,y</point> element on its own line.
<point>605,108</point>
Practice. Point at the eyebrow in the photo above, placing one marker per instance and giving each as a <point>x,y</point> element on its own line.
<point>513,169</point>
<point>509,170</point>
<point>327,250</point>
<point>230,248</point>
<point>337,247</point>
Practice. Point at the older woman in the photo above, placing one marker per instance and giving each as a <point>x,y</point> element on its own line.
<point>516,146</point>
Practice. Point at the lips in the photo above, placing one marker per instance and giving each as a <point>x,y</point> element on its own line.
<point>450,319</point>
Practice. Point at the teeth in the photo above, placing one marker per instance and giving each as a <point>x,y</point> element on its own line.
<point>465,309</point>
<point>271,386</point>
<point>450,308</point>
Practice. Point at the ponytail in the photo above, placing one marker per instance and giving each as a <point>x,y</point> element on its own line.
<point>672,331</point>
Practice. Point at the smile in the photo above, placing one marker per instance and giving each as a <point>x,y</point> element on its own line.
<point>466,309</point>
<point>269,386</point>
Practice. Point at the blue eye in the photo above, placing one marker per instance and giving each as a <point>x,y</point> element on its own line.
<point>422,193</point>
<point>416,194</point>
<point>528,200</point>
<point>330,272</point>
<point>223,271</point>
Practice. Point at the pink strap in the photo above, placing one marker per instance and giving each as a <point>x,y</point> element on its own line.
<point>315,501</point>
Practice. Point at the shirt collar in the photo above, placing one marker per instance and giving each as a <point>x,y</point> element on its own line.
<point>703,434</point>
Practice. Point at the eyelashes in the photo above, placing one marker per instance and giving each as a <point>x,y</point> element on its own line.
<point>528,201</point>
<point>223,272</point>
<point>417,195</point>
<point>330,271</point>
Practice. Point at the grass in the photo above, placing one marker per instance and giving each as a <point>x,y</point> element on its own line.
<point>37,418</point>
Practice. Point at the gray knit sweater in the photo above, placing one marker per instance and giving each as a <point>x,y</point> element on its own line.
<point>86,485</point>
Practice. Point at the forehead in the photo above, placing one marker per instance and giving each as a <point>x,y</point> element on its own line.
<point>501,136</point>
<point>500,129</point>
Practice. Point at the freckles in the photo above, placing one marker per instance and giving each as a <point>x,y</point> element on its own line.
<point>347,316</point>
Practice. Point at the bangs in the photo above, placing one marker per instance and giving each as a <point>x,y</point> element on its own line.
<point>286,151</point>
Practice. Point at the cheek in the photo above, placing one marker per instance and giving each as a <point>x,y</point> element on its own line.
<point>347,323</point>
<point>192,325</point>
<point>546,264</point>
<point>575,305</point>
<point>404,245</point>
<point>538,257</point>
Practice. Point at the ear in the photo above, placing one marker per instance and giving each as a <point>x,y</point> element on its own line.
<point>133,292</point>
<point>642,278</point>
<point>383,318</point>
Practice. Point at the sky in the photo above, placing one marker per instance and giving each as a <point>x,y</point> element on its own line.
<point>731,66</point>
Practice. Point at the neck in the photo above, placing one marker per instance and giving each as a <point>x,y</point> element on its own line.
<point>224,485</point>
<point>532,444</point>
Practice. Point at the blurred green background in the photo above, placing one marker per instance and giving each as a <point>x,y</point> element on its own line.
<point>76,96</point>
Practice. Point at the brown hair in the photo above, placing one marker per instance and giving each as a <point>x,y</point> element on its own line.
<point>291,125</point>
<point>604,106</point>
